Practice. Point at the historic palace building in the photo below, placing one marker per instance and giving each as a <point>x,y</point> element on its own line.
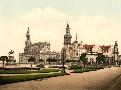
<point>39,51</point>
<point>73,50</point>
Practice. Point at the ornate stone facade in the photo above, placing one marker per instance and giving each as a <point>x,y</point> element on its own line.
<point>75,49</point>
<point>39,51</point>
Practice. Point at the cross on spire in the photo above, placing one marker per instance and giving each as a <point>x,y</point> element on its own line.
<point>28,34</point>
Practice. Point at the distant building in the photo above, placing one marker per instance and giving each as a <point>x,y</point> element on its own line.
<point>119,58</point>
<point>74,49</point>
<point>39,51</point>
<point>116,53</point>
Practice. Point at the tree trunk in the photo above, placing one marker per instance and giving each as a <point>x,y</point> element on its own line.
<point>84,65</point>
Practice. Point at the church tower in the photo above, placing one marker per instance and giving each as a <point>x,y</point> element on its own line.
<point>115,52</point>
<point>67,36</point>
<point>27,42</point>
<point>116,48</point>
<point>67,42</point>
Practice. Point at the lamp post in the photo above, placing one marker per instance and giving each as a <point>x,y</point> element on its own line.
<point>63,59</point>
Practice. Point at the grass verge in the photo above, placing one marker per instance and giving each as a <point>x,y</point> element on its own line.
<point>21,78</point>
<point>28,71</point>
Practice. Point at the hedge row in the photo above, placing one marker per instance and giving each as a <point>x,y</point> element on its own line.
<point>21,78</point>
<point>83,70</point>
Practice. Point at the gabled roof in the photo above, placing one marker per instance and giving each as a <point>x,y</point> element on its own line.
<point>105,48</point>
<point>88,47</point>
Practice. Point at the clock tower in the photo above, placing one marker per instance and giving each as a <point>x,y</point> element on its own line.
<point>67,36</point>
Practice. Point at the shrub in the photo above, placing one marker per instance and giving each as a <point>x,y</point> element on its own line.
<point>40,65</point>
<point>55,66</point>
<point>48,70</point>
<point>83,70</point>
<point>95,68</point>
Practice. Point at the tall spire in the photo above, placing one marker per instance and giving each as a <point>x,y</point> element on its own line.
<point>28,30</point>
<point>28,34</point>
<point>76,36</point>
<point>67,29</point>
<point>67,24</point>
<point>76,39</point>
<point>27,42</point>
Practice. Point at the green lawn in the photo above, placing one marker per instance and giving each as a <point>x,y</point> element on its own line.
<point>21,78</point>
<point>83,70</point>
<point>54,66</point>
<point>48,70</point>
<point>28,71</point>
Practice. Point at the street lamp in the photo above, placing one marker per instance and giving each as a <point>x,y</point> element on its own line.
<point>63,59</point>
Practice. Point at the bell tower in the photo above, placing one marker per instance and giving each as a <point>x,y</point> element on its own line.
<point>115,52</point>
<point>67,36</point>
<point>116,48</point>
<point>67,42</point>
<point>27,42</point>
<point>28,35</point>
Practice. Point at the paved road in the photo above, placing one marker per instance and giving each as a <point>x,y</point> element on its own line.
<point>105,79</point>
<point>115,84</point>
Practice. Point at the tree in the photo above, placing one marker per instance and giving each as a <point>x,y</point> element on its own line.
<point>4,58</point>
<point>83,59</point>
<point>31,59</point>
<point>7,61</point>
<point>100,58</point>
